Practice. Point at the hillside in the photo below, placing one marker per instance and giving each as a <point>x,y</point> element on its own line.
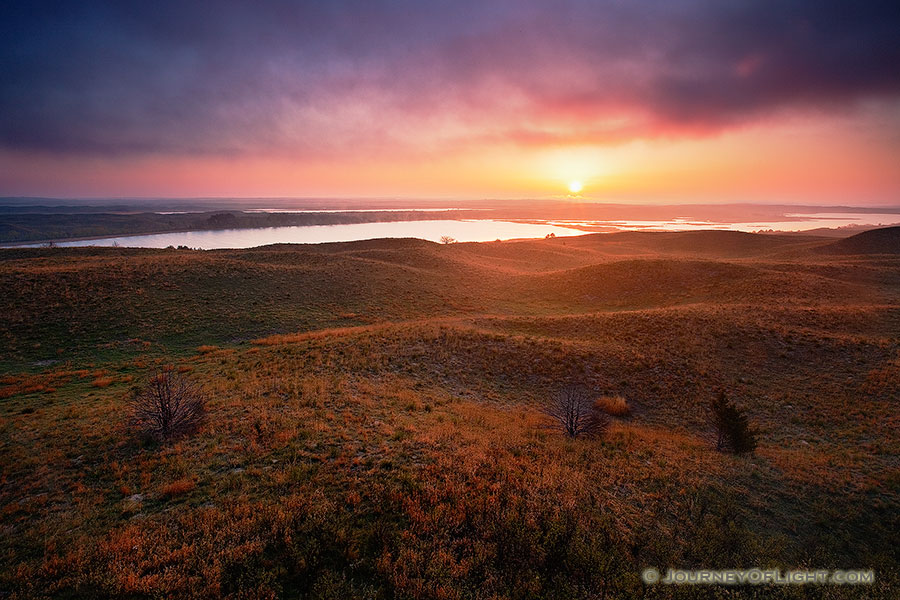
<point>874,241</point>
<point>375,425</point>
<point>61,301</point>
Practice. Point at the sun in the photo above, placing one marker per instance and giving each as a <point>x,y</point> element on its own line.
<point>575,186</point>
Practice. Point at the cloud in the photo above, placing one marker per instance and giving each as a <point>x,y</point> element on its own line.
<point>322,78</point>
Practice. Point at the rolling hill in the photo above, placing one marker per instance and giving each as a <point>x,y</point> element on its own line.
<point>874,241</point>
<point>375,417</point>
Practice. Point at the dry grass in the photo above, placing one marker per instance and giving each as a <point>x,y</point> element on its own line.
<point>177,488</point>
<point>406,458</point>
<point>614,406</point>
<point>102,382</point>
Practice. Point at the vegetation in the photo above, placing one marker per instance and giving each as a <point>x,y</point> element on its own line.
<point>573,412</point>
<point>615,406</point>
<point>169,406</point>
<point>733,431</point>
<point>378,411</point>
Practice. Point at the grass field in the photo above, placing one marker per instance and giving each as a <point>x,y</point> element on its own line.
<point>375,425</point>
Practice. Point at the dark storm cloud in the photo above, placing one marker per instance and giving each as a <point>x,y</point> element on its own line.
<point>232,77</point>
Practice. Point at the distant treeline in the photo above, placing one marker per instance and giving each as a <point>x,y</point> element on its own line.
<point>32,227</point>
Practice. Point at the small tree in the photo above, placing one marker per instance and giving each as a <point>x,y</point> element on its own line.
<point>446,239</point>
<point>573,411</point>
<point>169,406</point>
<point>733,431</point>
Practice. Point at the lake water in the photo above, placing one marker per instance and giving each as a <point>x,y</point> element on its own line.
<point>798,222</point>
<point>460,230</point>
<point>463,230</point>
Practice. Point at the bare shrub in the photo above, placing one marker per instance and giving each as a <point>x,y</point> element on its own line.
<point>169,406</point>
<point>615,406</point>
<point>446,239</point>
<point>573,411</point>
<point>733,431</point>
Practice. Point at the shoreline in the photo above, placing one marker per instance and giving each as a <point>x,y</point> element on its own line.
<point>835,232</point>
<point>45,243</point>
<point>318,218</point>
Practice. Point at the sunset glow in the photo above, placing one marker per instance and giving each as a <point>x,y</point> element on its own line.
<point>689,101</point>
<point>449,299</point>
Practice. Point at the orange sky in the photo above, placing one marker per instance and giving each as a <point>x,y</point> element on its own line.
<point>682,101</point>
<point>821,159</point>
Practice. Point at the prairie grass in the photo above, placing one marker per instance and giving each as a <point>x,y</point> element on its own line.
<point>102,382</point>
<point>177,488</point>
<point>371,445</point>
<point>615,406</point>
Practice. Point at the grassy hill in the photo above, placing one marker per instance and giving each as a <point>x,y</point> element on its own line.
<point>875,241</point>
<point>375,418</point>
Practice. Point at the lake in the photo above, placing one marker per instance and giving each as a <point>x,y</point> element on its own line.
<point>463,230</point>
<point>460,230</point>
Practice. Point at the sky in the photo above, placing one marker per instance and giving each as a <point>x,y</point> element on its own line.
<point>635,100</point>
